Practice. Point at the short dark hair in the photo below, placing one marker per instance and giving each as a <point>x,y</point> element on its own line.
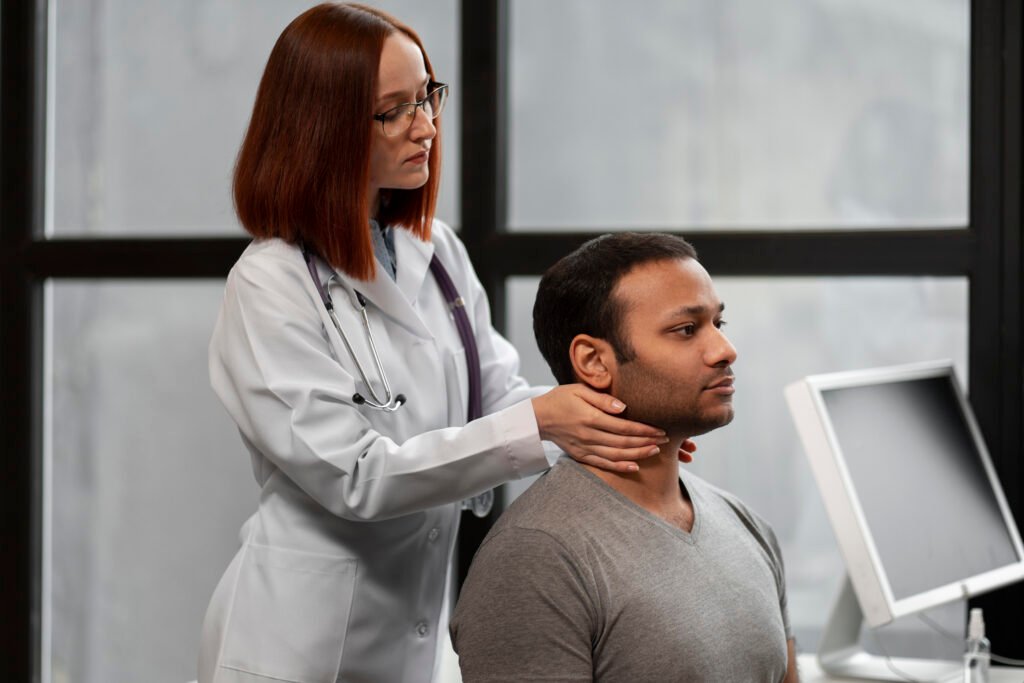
<point>575,294</point>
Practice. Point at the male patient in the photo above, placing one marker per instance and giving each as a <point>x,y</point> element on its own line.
<point>648,576</point>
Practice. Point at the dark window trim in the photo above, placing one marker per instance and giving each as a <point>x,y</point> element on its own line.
<point>996,382</point>
<point>22,60</point>
<point>891,252</point>
<point>989,252</point>
<point>483,28</point>
<point>106,257</point>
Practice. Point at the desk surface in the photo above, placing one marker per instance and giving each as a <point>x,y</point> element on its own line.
<point>810,672</point>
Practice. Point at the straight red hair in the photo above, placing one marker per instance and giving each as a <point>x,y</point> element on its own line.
<point>303,170</point>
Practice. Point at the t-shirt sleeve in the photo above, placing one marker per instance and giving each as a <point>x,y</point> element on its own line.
<point>780,576</point>
<point>766,537</point>
<point>762,531</point>
<point>524,613</point>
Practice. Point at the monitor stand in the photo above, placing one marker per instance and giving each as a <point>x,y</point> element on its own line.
<point>840,653</point>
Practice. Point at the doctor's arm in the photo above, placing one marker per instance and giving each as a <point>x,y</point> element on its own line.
<point>274,371</point>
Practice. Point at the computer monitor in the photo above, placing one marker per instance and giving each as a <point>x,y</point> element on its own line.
<point>915,504</point>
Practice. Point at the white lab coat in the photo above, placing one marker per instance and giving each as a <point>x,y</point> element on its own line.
<point>343,568</point>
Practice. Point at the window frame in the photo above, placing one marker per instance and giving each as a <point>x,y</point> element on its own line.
<point>988,252</point>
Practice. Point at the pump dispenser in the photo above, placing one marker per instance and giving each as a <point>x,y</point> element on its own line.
<point>978,652</point>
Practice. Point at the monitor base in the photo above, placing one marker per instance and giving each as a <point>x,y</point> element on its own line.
<point>840,652</point>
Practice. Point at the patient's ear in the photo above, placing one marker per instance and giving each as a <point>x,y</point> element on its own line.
<point>593,360</point>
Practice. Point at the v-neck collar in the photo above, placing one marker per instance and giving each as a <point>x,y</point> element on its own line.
<point>689,537</point>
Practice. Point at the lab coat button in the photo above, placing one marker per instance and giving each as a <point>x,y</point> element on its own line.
<point>434,533</point>
<point>422,629</point>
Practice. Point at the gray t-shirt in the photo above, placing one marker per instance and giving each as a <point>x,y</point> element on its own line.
<point>576,582</point>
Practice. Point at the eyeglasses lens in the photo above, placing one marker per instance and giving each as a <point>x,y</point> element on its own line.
<point>401,118</point>
<point>435,102</point>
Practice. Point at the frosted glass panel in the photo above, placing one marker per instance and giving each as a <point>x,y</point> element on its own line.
<point>730,114</point>
<point>152,98</point>
<point>148,480</point>
<point>784,329</point>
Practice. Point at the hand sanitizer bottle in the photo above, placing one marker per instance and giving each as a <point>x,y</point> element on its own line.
<point>978,653</point>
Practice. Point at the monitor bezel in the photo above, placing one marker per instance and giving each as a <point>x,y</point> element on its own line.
<point>861,554</point>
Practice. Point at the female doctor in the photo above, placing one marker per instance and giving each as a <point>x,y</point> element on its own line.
<point>351,362</point>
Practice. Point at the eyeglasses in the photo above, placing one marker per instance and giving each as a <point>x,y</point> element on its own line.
<point>397,120</point>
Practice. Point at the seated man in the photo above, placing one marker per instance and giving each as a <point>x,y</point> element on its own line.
<point>648,576</point>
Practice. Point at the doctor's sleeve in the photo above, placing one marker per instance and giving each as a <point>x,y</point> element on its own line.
<point>272,368</point>
<point>524,613</point>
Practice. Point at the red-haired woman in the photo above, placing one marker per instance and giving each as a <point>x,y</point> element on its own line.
<point>351,293</point>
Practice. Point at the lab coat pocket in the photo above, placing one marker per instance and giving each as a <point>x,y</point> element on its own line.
<point>288,617</point>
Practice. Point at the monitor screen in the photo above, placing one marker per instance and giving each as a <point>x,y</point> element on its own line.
<point>908,485</point>
<point>921,482</point>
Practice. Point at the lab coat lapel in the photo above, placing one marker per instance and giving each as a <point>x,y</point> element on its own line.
<point>413,256</point>
<point>395,300</point>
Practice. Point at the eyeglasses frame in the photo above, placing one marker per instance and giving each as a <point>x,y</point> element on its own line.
<point>433,87</point>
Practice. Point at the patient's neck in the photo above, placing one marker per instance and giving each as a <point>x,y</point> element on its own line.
<point>655,486</point>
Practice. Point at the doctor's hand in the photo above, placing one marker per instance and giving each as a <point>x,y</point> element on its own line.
<point>687,450</point>
<point>582,423</point>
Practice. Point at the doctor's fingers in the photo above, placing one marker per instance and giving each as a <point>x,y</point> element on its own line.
<point>621,466</point>
<point>573,412</point>
<point>616,446</point>
<point>609,442</point>
<point>607,408</point>
<point>580,441</point>
<point>621,427</point>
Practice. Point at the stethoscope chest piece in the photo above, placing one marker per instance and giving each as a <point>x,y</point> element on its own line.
<point>389,403</point>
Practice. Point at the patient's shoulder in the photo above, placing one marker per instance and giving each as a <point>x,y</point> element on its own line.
<point>557,503</point>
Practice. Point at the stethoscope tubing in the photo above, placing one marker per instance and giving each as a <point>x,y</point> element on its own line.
<point>482,503</point>
<point>389,403</point>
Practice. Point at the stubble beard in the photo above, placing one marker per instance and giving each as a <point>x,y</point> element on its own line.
<point>655,401</point>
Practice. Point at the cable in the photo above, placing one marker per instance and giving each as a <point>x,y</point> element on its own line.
<point>936,627</point>
<point>888,660</point>
<point>1008,661</point>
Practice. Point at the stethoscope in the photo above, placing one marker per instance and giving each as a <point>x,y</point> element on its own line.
<point>389,403</point>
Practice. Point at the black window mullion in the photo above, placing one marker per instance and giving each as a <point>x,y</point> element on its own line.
<point>996,382</point>
<point>133,257</point>
<point>483,27</point>
<point>895,252</point>
<point>484,164</point>
<point>22,159</point>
